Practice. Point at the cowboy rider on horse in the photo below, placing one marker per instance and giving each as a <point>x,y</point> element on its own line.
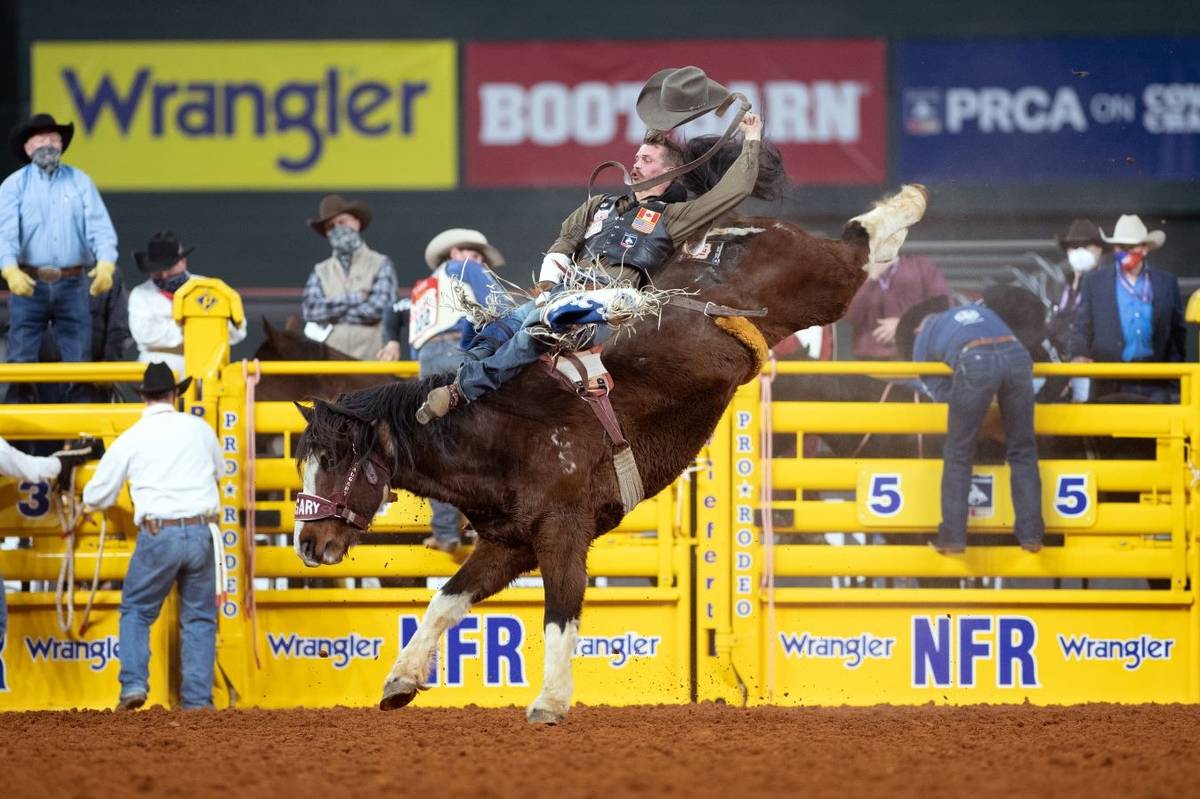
<point>628,238</point>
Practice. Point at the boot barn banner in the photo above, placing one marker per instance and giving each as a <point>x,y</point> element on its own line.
<point>255,115</point>
<point>1049,110</point>
<point>546,113</point>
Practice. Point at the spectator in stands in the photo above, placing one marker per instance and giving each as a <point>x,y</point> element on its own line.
<point>54,234</point>
<point>14,463</point>
<point>988,361</point>
<point>438,326</point>
<point>175,500</point>
<point>347,294</point>
<point>1131,312</point>
<point>151,304</point>
<point>891,288</point>
<point>395,330</point>
<point>1084,248</point>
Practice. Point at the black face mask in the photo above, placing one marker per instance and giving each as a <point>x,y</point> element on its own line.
<point>173,283</point>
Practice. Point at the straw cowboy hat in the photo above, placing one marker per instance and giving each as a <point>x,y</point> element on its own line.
<point>39,123</point>
<point>1131,231</point>
<point>334,204</point>
<point>1082,233</point>
<point>906,328</point>
<point>159,379</point>
<point>440,245</point>
<point>677,95</point>
<point>162,252</point>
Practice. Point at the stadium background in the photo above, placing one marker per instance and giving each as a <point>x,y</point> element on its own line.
<point>257,240</point>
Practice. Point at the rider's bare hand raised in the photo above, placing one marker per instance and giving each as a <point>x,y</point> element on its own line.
<point>751,126</point>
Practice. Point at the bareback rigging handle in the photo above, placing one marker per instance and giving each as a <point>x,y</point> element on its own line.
<point>671,174</point>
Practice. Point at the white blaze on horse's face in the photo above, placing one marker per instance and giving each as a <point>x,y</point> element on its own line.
<point>310,487</point>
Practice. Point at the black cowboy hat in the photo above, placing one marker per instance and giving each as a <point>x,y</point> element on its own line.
<point>159,379</point>
<point>674,96</point>
<point>906,328</point>
<point>334,204</point>
<point>39,123</point>
<point>1082,233</point>
<point>162,252</point>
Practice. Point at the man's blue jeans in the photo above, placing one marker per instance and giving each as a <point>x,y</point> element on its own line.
<point>1004,371</point>
<point>65,304</point>
<point>441,355</point>
<point>478,377</point>
<point>181,555</point>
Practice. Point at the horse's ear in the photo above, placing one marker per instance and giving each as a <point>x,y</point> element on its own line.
<point>305,411</point>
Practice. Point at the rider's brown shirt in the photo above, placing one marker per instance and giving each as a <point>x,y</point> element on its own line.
<point>683,220</point>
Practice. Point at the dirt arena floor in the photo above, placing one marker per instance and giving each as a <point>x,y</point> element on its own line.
<point>707,750</point>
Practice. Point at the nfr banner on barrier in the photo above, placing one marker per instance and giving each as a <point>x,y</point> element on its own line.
<point>255,115</point>
<point>1049,110</point>
<point>546,113</point>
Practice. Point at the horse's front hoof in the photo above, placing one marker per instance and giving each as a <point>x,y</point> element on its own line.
<point>540,715</point>
<point>397,693</point>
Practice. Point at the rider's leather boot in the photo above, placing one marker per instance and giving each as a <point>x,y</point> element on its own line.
<point>439,402</point>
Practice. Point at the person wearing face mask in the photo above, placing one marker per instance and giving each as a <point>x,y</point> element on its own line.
<point>1084,248</point>
<point>152,322</point>
<point>1130,312</point>
<point>347,294</point>
<point>57,247</point>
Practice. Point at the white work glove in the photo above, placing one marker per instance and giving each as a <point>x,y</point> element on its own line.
<point>19,283</point>
<point>554,267</point>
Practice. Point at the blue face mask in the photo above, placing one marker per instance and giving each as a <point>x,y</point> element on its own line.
<point>173,283</point>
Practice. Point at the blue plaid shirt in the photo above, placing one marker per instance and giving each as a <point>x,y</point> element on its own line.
<point>352,308</point>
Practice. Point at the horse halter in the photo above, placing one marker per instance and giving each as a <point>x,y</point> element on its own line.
<point>311,508</point>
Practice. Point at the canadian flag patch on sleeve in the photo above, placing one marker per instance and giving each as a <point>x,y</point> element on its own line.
<point>646,220</point>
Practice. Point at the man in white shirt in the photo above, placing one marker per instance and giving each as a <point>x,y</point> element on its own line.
<point>159,337</point>
<point>172,461</point>
<point>33,469</point>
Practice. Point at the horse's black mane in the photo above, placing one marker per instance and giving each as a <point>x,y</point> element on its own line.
<point>347,420</point>
<point>772,180</point>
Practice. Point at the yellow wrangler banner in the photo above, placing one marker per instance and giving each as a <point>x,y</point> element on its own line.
<point>832,655</point>
<point>255,115</point>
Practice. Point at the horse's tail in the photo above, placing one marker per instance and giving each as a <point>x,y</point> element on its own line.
<point>772,180</point>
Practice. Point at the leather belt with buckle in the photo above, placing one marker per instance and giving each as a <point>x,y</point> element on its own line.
<point>154,525</point>
<point>983,342</point>
<point>52,274</point>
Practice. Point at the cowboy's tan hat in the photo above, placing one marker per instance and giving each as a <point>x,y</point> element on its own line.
<point>334,204</point>
<point>1131,231</point>
<point>440,245</point>
<point>674,96</point>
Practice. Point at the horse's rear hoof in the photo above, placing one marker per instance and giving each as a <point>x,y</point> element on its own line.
<point>537,715</point>
<point>397,694</point>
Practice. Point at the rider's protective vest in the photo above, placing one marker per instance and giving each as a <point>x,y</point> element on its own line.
<point>637,238</point>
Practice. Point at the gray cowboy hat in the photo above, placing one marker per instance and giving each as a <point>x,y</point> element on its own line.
<point>440,245</point>
<point>334,204</point>
<point>1082,233</point>
<point>159,379</point>
<point>906,328</point>
<point>677,95</point>
<point>162,252</point>
<point>39,123</point>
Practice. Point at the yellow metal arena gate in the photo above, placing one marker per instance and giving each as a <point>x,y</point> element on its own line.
<point>787,576</point>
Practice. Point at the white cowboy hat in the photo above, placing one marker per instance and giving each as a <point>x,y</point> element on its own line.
<point>1131,231</point>
<point>440,245</point>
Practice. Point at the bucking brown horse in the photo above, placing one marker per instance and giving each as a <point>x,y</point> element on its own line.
<point>530,466</point>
